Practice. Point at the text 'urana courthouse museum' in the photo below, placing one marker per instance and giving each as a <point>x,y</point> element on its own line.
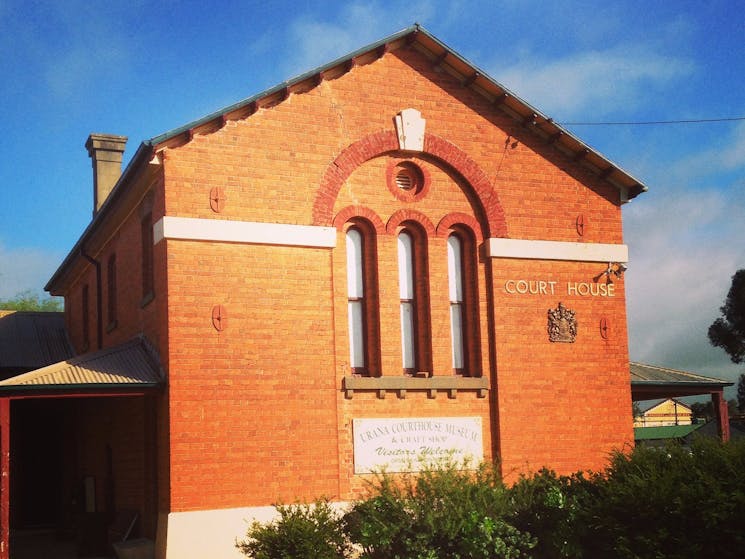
<point>389,259</point>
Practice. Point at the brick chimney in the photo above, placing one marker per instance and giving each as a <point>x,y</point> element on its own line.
<point>105,151</point>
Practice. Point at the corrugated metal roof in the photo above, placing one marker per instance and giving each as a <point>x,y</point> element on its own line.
<point>30,340</point>
<point>649,374</point>
<point>129,364</point>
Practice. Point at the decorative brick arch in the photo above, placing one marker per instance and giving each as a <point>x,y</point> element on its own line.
<point>443,228</point>
<point>364,212</point>
<point>409,215</point>
<point>377,144</point>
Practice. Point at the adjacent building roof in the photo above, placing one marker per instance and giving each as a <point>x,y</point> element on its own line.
<point>30,340</point>
<point>651,382</point>
<point>134,364</point>
<point>650,405</point>
<point>664,432</point>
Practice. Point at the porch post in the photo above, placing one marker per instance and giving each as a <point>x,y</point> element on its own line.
<point>722,414</point>
<point>4,478</point>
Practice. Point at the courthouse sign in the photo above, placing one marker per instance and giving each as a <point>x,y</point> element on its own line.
<point>546,287</point>
<point>409,444</point>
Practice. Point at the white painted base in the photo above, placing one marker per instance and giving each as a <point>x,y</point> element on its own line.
<point>209,533</point>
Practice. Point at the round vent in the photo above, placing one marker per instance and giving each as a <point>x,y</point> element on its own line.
<point>408,177</point>
<point>405,180</point>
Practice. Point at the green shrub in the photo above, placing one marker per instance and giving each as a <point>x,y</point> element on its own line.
<point>440,513</point>
<point>547,506</point>
<point>674,503</point>
<point>301,531</point>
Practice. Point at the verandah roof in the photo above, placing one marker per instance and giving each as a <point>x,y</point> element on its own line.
<point>649,382</point>
<point>131,365</point>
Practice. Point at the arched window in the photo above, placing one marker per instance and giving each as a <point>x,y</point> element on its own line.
<point>362,301</point>
<point>146,236</point>
<point>464,314</point>
<point>111,290</point>
<point>455,282</point>
<point>414,302</point>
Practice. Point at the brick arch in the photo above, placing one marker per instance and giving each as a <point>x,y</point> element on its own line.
<point>409,215</point>
<point>341,218</point>
<point>443,228</point>
<point>386,141</point>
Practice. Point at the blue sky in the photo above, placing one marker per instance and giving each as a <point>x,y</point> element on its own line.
<point>140,68</point>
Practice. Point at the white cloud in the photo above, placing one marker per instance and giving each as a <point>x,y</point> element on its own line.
<point>317,41</point>
<point>733,155</point>
<point>725,155</point>
<point>67,53</point>
<point>24,269</point>
<point>684,251</point>
<point>595,82</point>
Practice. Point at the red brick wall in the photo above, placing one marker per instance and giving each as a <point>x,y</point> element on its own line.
<point>253,415</point>
<point>257,414</point>
<point>559,404</point>
<point>115,426</point>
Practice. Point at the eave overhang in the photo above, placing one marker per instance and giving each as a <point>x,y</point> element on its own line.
<point>128,191</point>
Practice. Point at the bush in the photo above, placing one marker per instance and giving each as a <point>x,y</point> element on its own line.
<point>440,513</point>
<point>300,532</point>
<point>547,506</point>
<point>675,503</point>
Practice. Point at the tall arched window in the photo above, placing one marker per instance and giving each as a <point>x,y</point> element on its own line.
<point>362,305</point>
<point>84,311</point>
<point>111,290</point>
<point>414,302</point>
<point>455,281</point>
<point>408,301</point>
<point>356,301</point>
<point>464,325</point>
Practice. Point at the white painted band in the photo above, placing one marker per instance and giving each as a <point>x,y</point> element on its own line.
<point>556,250</point>
<point>197,229</point>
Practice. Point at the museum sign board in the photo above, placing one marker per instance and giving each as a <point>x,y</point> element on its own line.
<point>410,444</point>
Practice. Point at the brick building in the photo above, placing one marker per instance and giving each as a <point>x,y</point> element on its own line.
<point>388,255</point>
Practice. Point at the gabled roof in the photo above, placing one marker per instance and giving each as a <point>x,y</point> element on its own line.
<point>133,364</point>
<point>416,37</point>
<point>29,340</point>
<point>447,60</point>
<point>649,406</point>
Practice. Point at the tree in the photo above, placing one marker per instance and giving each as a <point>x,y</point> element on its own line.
<point>705,410</point>
<point>30,301</point>
<point>636,411</point>
<point>728,331</point>
<point>702,410</point>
